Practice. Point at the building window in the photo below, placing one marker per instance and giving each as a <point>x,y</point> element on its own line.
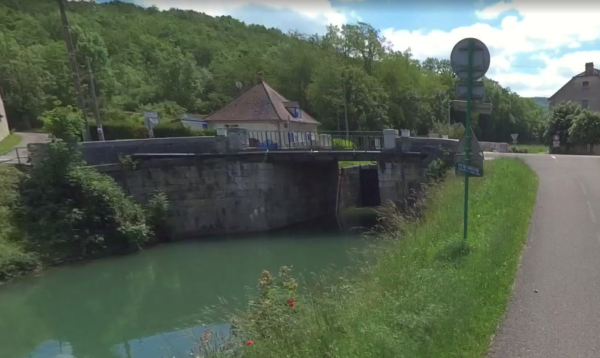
<point>584,103</point>
<point>586,84</point>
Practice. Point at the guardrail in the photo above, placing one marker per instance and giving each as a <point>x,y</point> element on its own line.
<point>295,140</point>
<point>19,155</point>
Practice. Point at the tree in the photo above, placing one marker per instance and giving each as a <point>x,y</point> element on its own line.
<point>64,123</point>
<point>70,209</point>
<point>143,56</point>
<point>560,120</point>
<point>585,129</point>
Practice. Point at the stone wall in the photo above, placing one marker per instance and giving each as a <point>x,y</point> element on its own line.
<point>399,181</point>
<point>350,194</point>
<point>107,152</point>
<point>494,147</point>
<point>223,197</point>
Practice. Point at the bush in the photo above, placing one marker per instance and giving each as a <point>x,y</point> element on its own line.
<point>72,210</point>
<point>517,150</point>
<point>453,131</point>
<point>14,260</point>
<point>438,168</point>
<point>64,123</point>
<point>341,144</point>
<point>125,130</point>
<point>157,213</point>
<point>177,129</point>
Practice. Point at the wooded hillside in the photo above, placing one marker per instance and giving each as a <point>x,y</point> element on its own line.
<point>175,60</point>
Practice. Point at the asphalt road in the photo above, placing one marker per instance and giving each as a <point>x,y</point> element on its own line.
<point>555,309</point>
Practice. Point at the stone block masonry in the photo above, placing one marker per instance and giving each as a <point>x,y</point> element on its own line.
<point>399,181</point>
<point>214,197</point>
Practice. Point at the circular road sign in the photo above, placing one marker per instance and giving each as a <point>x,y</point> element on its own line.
<point>459,59</point>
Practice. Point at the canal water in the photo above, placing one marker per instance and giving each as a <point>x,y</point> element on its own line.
<point>153,304</point>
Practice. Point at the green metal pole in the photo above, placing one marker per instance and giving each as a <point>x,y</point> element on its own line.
<point>468,137</point>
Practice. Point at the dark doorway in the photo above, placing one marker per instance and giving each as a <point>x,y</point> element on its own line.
<point>369,187</point>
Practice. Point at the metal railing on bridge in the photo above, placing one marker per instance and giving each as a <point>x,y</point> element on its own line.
<point>299,140</point>
<point>19,155</point>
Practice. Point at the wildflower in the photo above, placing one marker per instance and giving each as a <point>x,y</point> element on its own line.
<point>249,343</point>
<point>291,302</point>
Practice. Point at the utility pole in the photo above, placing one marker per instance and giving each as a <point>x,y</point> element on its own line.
<point>95,101</point>
<point>74,72</point>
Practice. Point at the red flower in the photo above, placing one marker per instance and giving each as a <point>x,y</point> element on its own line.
<point>291,302</point>
<point>249,343</point>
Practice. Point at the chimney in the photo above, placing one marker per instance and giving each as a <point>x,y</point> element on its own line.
<point>260,77</point>
<point>589,68</point>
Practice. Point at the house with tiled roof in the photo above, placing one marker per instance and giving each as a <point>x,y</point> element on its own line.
<point>583,89</point>
<point>261,108</point>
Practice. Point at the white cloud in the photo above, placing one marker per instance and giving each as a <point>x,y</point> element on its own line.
<point>318,12</point>
<point>539,29</point>
<point>492,12</point>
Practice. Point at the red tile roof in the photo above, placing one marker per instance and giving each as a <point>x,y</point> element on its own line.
<point>258,103</point>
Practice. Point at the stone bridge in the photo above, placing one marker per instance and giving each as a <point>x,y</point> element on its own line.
<point>219,185</point>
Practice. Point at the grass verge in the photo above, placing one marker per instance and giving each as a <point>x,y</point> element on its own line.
<point>421,293</point>
<point>8,143</point>
<point>533,148</point>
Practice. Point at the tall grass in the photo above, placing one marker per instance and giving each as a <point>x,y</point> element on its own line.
<point>422,292</point>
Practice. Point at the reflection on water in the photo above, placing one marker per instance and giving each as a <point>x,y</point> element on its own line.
<point>151,304</point>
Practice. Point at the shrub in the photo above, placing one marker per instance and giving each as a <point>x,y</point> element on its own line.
<point>125,130</point>
<point>438,168</point>
<point>14,259</point>
<point>453,131</point>
<point>63,123</point>
<point>157,213</point>
<point>177,129</point>
<point>341,144</point>
<point>72,210</point>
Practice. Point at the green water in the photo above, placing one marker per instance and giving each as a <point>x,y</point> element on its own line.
<point>151,304</point>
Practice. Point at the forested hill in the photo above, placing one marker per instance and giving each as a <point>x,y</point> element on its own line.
<point>144,57</point>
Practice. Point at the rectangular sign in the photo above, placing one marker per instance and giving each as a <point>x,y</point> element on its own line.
<point>461,90</point>
<point>469,170</point>
<point>556,143</point>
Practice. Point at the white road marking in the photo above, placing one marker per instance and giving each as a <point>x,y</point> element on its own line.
<point>553,157</point>
<point>583,188</point>
<point>591,212</point>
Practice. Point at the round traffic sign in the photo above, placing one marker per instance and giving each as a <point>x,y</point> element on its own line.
<point>459,59</point>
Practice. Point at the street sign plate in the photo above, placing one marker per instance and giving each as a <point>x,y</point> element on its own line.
<point>459,59</point>
<point>556,143</point>
<point>470,170</point>
<point>514,136</point>
<point>479,107</point>
<point>555,137</point>
<point>461,90</point>
<point>475,147</point>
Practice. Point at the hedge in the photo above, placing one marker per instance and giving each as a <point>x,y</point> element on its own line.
<point>114,131</point>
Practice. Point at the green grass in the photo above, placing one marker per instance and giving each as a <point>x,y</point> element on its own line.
<point>533,148</point>
<point>421,292</point>
<point>355,163</point>
<point>8,143</point>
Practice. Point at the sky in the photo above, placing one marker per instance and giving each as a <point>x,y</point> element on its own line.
<point>536,46</point>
